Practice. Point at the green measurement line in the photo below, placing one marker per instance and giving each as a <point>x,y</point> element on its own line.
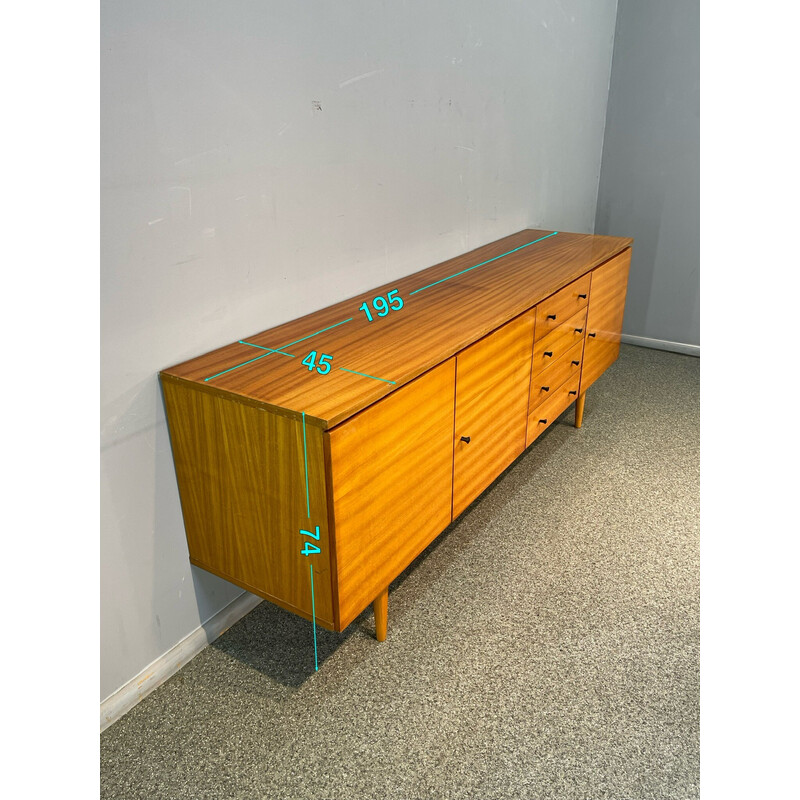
<point>278,350</point>
<point>422,289</point>
<point>305,458</point>
<point>258,358</point>
<point>364,375</point>
<point>483,263</point>
<point>269,349</point>
<point>314,618</point>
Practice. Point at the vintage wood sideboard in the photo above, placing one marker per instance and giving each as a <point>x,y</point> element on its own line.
<point>326,453</point>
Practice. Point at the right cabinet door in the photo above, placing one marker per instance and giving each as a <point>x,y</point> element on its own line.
<point>604,322</point>
<point>492,384</point>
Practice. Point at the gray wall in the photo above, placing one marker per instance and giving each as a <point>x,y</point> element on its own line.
<point>650,177</point>
<point>230,204</point>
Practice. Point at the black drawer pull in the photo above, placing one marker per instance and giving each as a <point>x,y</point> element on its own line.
<point>572,393</point>
<point>592,334</point>
<point>551,316</point>
<point>543,422</point>
<point>545,388</point>
<point>465,439</point>
<point>582,296</point>
<point>549,353</point>
<point>578,330</point>
<point>576,363</point>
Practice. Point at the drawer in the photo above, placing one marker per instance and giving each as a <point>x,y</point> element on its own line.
<point>552,347</point>
<point>540,419</point>
<point>492,386</point>
<point>544,385</point>
<point>558,308</point>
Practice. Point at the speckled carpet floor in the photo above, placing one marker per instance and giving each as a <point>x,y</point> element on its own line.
<point>545,646</point>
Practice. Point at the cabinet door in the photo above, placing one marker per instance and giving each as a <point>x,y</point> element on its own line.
<point>391,474</point>
<point>492,385</point>
<point>604,323</point>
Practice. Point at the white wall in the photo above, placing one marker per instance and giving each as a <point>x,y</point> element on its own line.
<point>650,179</point>
<point>229,205</point>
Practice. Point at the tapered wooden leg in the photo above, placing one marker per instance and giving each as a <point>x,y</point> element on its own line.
<point>579,409</point>
<point>380,605</point>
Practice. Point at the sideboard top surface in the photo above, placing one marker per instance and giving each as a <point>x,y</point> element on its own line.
<point>445,308</point>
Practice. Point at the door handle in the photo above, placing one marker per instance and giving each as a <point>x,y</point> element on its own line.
<point>465,439</point>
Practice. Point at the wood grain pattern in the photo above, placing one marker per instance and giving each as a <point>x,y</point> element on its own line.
<point>392,482</point>
<point>446,308</point>
<point>558,308</point>
<point>548,380</point>
<point>555,345</point>
<point>492,386</point>
<point>241,475</point>
<point>604,321</point>
<point>544,415</point>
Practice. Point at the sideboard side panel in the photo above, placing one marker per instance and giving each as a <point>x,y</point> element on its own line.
<point>242,479</point>
<point>392,483</point>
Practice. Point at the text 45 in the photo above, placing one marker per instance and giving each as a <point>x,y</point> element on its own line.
<point>323,364</point>
<point>383,304</point>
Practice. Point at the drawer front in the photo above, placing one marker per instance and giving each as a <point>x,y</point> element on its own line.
<point>391,478</point>
<point>555,345</point>
<point>492,386</point>
<point>604,321</point>
<point>558,308</point>
<point>545,414</point>
<point>544,385</point>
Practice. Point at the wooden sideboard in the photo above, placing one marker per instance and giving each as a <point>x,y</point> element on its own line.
<point>326,453</point>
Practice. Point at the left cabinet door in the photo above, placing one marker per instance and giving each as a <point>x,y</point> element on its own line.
<point>391,469</point>
<point>492,387</point>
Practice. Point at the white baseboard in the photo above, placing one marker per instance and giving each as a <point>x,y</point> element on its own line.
<point>166,665</point>
<point>662,344</point>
